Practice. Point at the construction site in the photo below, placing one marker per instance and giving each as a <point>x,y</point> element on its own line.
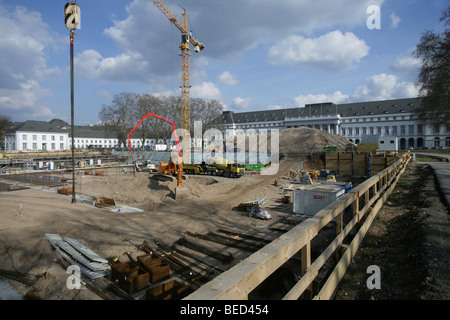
<point>135,240</point>
<point>148,225</point>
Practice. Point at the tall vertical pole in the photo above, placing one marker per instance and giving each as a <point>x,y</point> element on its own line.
<point>72,103</point>
<point>72,20</point>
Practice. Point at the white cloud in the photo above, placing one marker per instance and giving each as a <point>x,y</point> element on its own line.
<point>26,100</point>
<point>333,51</point>
<point>23,53</point>
<point>395,20</point>
<point>407,66</point>
<point>241,103</point>
<point>377,87</point>
<point>104,94</point>
<point>207,91</point>
<point>228,79</point>
<point>24,46</point>
<point>124,67</point>
<point>384,87</point>
<point>336,97</point>
<point>275,107</point>
<point>227,30</point>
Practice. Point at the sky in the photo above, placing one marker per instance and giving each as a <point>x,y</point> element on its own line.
<point>259,54</point>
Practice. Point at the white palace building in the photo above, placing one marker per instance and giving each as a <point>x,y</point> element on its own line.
<point>362,122</point>
<point>357,122</point>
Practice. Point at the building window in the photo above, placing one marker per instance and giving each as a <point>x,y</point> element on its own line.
<point>34,146</point>
<point>402,130</point>
<point>53,138</point>
<point>24,146</point>
<point>61,138</point>
<point>411,129</point>
<point>34,137</point>
<point>24,137</point>
<point>61,146</point>
<point>364,130</point>
<point>394,130</point>
<point>386,129</point>
<point>44,137</point>
<point>419,128</point>
<point>53,146</point>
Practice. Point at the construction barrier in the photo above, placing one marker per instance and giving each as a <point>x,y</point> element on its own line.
<point>365,201</point>
<point>359,163</point>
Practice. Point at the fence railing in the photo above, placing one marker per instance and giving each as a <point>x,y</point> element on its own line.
<point>365,201</point>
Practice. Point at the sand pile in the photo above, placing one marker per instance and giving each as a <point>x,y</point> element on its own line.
<point>143,191</point>
<point>296,140</point>
<point>308,140</point>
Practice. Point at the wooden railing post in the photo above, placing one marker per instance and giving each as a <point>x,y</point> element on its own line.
<point>306,262</point>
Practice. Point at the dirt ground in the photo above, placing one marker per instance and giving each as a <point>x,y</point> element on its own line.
<point>408,241</point>
<point>210,205</point>
<point>26,215</point>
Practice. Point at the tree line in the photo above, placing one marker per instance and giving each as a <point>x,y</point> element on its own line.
<point>127,109</point>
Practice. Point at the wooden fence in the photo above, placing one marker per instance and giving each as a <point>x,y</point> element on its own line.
<point>365,201</point>
<point>359,163</point>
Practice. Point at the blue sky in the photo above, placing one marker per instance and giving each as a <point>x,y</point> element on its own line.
<point>259,54</point>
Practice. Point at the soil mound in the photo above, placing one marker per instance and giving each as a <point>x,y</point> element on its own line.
<point>295,140</point>
<point>308,140</point>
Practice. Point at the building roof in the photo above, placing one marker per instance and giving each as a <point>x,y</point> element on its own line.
<point>55,125</point>
<point>325,109</point>
<point>384,107</point>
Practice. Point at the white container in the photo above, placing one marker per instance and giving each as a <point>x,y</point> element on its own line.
<point>311,200</point>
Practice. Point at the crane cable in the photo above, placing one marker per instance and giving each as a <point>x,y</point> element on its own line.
<point>189,21</point>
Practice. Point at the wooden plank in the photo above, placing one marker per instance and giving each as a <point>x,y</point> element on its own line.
<point>335,277</point>
<point>240,244</point>
<point>239,281</point>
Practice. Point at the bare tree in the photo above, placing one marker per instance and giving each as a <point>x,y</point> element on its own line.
<point>119,116</point>
<point>205,111</point>
<point>434,76</point>
<point>5,124</point>
<point>127,109</point>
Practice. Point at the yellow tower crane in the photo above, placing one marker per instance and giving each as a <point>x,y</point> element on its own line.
<point>185,65</point>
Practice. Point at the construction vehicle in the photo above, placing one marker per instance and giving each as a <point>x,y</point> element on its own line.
<point>174,166</point>
<point>220,167</point>
<point>185,54</point>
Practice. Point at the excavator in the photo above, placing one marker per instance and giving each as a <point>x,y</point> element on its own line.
<point>175,165</point>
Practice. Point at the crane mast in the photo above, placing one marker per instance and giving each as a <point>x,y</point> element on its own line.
<point>185,53</point>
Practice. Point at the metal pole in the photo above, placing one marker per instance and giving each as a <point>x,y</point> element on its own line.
<point>72,37</point>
